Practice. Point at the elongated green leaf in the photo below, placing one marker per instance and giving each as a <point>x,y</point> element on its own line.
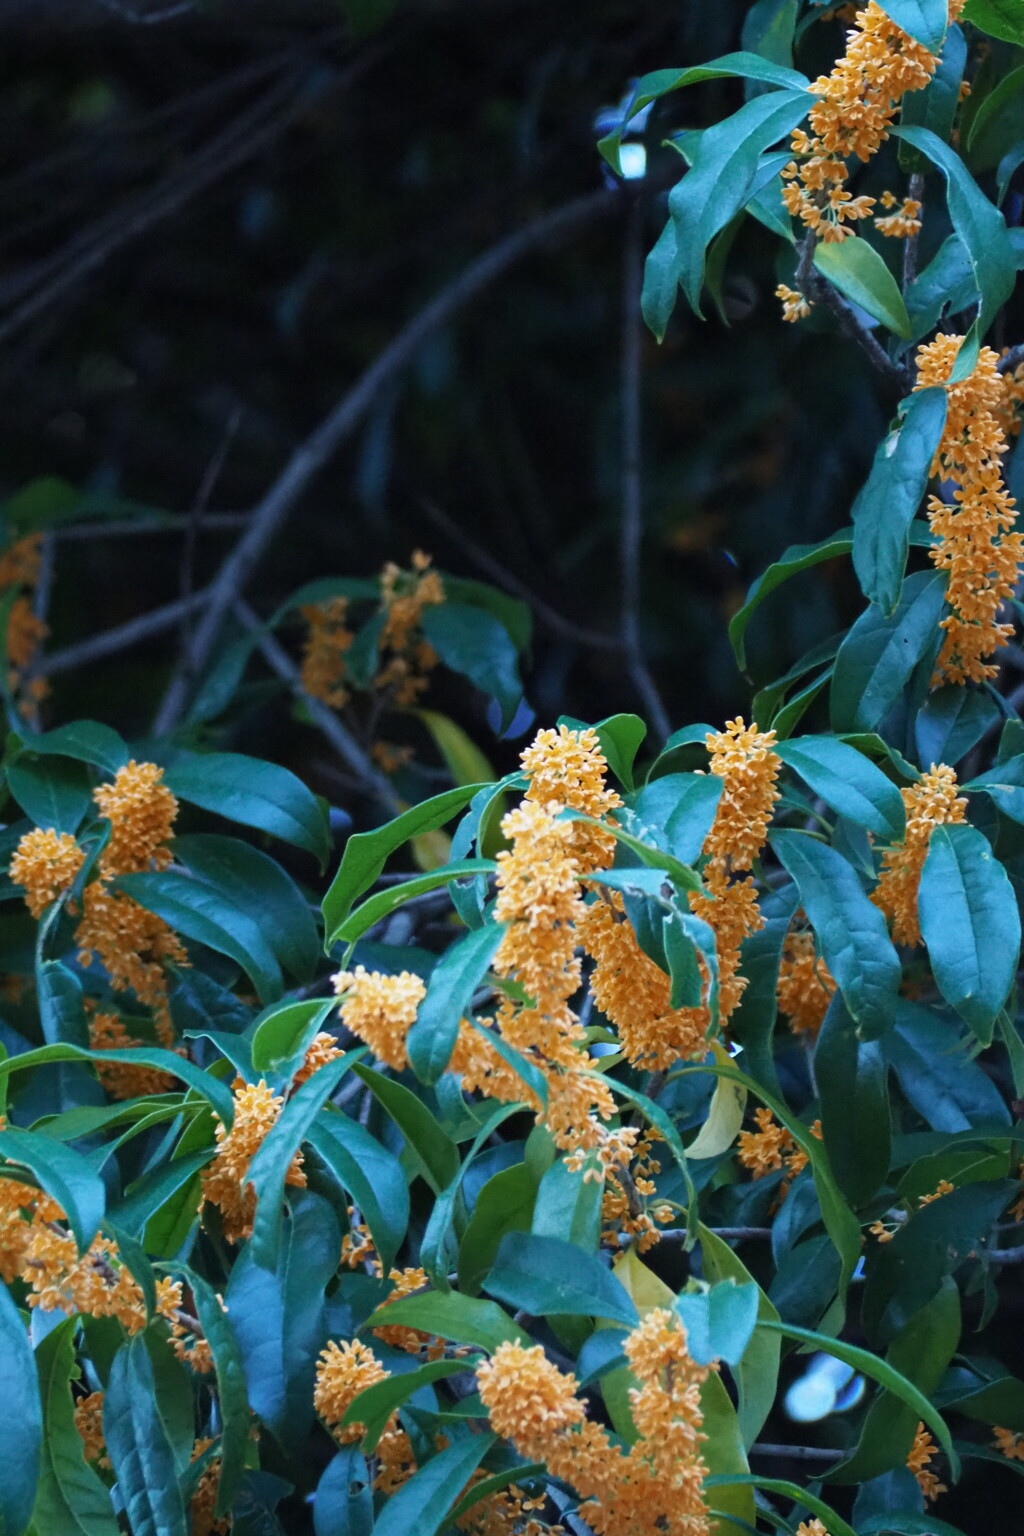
<point>664,1124</point>
<point>533,1078</point>
<point>197,911</point>
<point>925,20</point>
<point>453,981</point>
<point>488,1486</point>
<point>505,1204</point>
<point>285,1030</point>
<point>377,907</point>
<point>230,1377</point>
<point>70,1497</point>
<point>1004,784</point>
<point>859,272</point>
<point>423,1503</point>
<point>255,793</point>
<point>836,1525</point>
<point>719,1322</point>
<point>21,1420</point>
<point>757,1372</point>
<point>852,1085</point>
<point>551,1278</point>
<point>473,642</point>
<point>723,175</point>
<point>87,741</point>
<point>449,1315</point>
<point>971,925</point>
<point>366,853</point>
<point>850,929</point>
<point>998,124</point>
<point>797,558</point>
<point>847,781</point>
<point>676,812</point>
<point>164,1061</point>
<point>344,1502</point>
<point>54,791</point>
<point>435,1154</point>
<point>952,721</point>
<point>948,1090</point>
<point>1000,18</point>
<point>374,1405</point>
<point>269,1168</point>
<point>434,1256</point>
<point>150,1193</point>
<point>63,1173</point>
<point>879,654</point>
<point>888,502</point>
<point>650,87</point>
<point>982,230</point>
<point>370,1173</point>
<point>61,1004</point>
<point>935,107</point>
<point>139,1449</point>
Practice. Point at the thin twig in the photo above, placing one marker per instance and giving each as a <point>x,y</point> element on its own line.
<point>147,18</point>
<point>632,528</point>
<point>192,525</point>
<point>819,291</point>
<point>547,615</point>
<point>915,191</point>
<point>1011,360</point>
<point>109,641</point>
<point>796,1452</point>
<point>122,527</point>
<point>1004,1256</point>
<point>314,453</point>
<point>736,1234</point>
<point>371,780</point>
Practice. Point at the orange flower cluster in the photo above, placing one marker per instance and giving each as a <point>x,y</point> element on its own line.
<point>625,1207</point>
<point>19,567</point>
<point>1009,1443</point>
<point>323,652</point>
<point>654,1486</point>
<point>45,865</point>
<point>922,1452</point>
<point>805,986</point>
<point>852,117</point>
<point>406,657</point>
<point>380,1010</point>
<point>931,802</point>
<point>885,1232</point>
<point>904,223</point>
<point>123,1080</point>
<point>203,1504</point>
<point>89,1423</point>
<point>343,1371</point>
<point>225,1179</point>
<point>773,1147</point>
<point>975,545</point>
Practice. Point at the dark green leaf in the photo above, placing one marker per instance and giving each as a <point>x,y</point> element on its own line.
<point>255,793</point>
<point>505,1204</point>
<point>475,644</point>
<point>1004,784</point>
<point>970,923</point>
<point>999,18</point>
<point>435,1154</point>
<point>61,1005</point>
<point>757,1372</point>
<point>422,1504</point>
<point>150,1193</point>
<point>54,791</point>
<point>374,1405</point>
<point>434,1246</point>
<point>21,1421</point>
<point>848,781</point>
<point>515,615</point>
<point>676,812</point>
<point>63,1173</point>
<point>282,1032</point>
<point>876,659</point>
<point>720,1321</point>
<point>377,907</point>
<point>859,272</point>
<point>87,741</point>
<point>935,107</point>
<point>852,1084</point>
<point>925,20</point>
<point>998,124</point>
<point>952,721</point>
<point>462,1319</point>
<point>449,995</point>
<point>70,1498</point>
<point>370,1173</point>
<point>550,1278</point>
<point>138,1445</point>
<point>568,1206</point>
<point>802,1496</point>
<point>888,502</point>
<point>797,558</point>
<point>343,1505</point>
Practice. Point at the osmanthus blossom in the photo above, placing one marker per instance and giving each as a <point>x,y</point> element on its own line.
<point>931,802</point>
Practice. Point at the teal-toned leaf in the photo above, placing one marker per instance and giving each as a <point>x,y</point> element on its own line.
<point>435,1154</point>
<point>505,1204</point>
<point>197,911</point>
<point>851,1078</point>
<point>802,1496</point>
<point>449,994</point>
<point>21,1420</point>
<point>951,722</point>
<point>87,741</point>
<point>54,791</point>
<point>435,1244</point>
<point>381,905</point>
<point>935,107</point>
<point>888,502</point>
<point>550,1278</point>
<point>449,1315</point>
<point>756,1373</point>
<point>568,1206</point>
<point>719,1321</point>
<point>847,781</point>
<point>1004,784</point>
<point>61,1005</point>
<point>423,1503</point>
<point>676,812</point>
<point>255,793</point>
<point>366,853</point>
<point>797,558</point>
<point>285,1030</point>
<point>999,18</point>
<point>370,1173</point>
<point>513,613</point>
<point>70,1497</point>
<point>948,1090</point>
<point>945,286</point>
<point>151,1193</point>
<point>343,1505</point>
<point>971,925</point>
<point>860,273</point>
<point>138,1445</point>
<point>875,661</point>
<point>768,30</point>
<point>63,1173</point>
<point>661,282</point>
<point>925,20</point>
<point>475,644</point>
<point>374,1405</point>
<point>850,929</point>
<point>998,124</point>
<point>533,1078</point>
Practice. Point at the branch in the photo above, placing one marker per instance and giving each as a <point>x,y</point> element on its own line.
<point>819,290</point>
<point>1012,359</point>
<point>147,18</point>
<point>312,455</point>
<point>109,641</point>
<point>915,191</point>
<point>796,1452</point>
<point>632,527</point>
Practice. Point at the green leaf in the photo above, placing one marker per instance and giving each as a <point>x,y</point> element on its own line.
<point>725,1456</point>
<point>255,793</point>
<point>70,1497</point>
<point>434,1246</point>
<point>252,880</point>
<point>218,1095</point>
<point>621,737</point>
<point>665,1125</point>
<point>971,925</point>
<point>343,1505</point>
<point>850,929</point>
<point>850,1074</point>
<point>945,285</point>
<point>847,781</point>
<point>802,1497</point>
<point>462,757</point>
<point>723,176</point>
<point>888,502</point>
<point>370,1173</point>
<point>532,1076</point>
<point>197,911</point>
<point>1004,784</point>
<point>374,1405</point>
<point>278,1317</point>
<point>61,1005</point>
<point>514,614</point>
<point>720,1321</point>
<point>860,273</point>
<point>797,558</point>
<point>435,1154</point>
<point>998,124</point>
<point>422,1504</point>
<point>21,1421</point>
<point>984,1392</point>
<point>366,853</point>
<point>138,1445</point>
<point>951,722</point>
<point>676,812</point>
<point>475,644</point>
<point>449,994</point>
<point>981,228</point>
<point>505,1204</point>
<point>269,1167</point>
<point>999,18</point>
<point>63,1173</point>
<point>757,1372</point>
<point>550,1278</point>
<point>230,1377</point>
<point>568,1206</point>
<point>661,282</point>
<point>150,1194</point>
<point>381,905</point>
<point>87,741</point>
<point>284,1031</point>
<point>925,20</point>
<point>462,1319</point>
<point>881,1371</point>
<point>54,791</point>
<point>487,1486</point>
<point>935,107</point>
<point>768,30</point>
<point>876,659</point>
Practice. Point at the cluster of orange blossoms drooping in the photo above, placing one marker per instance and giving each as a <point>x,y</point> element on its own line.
<point>626,1214</point>
<point>654,1486</point>
<point>921,1453</point>
<point>20,566</point>
<point>931,802</point>
<point>975,544</point>
<point>773,1147</point>
<point>133,945</point>
<point>805,985</point>
<point>328,639</point>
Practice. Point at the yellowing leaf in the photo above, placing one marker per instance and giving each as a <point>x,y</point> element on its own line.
<point>728,1104</point>
<point>641,1284</point>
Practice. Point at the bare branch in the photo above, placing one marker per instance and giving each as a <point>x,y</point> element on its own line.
<point>311,456</point>
<point>110,641</point>
<point>147,18</point>
<point>1012,360</point>
<point>915,190</point>
<point>820,291</point>
<point>121,526</point>
<point>796,1452</point>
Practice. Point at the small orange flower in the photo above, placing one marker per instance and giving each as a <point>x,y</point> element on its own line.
<point>45,865</point>
<point>931,802</point>
<point>921,1453</point>
<point>225,1179</point>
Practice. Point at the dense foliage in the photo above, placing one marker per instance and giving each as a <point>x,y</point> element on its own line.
<point>670,1081</point>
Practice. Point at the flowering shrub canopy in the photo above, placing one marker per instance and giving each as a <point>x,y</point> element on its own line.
<point>498,1195</point>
